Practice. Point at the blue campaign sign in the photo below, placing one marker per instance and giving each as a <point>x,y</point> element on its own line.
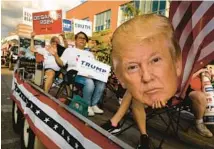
<point>67,26</point>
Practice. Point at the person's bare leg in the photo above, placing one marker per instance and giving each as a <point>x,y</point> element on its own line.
<point>50,74</point>
<point>139,115</point>
<point>198,103</point>
<point>122,109</point>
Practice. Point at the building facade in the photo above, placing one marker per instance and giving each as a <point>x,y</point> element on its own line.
<point>109,15</point>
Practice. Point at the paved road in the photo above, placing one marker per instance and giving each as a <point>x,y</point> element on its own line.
<point>10,140</point>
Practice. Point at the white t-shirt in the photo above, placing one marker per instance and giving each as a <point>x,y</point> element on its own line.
<point>49,59</point>
<point>70,56</point>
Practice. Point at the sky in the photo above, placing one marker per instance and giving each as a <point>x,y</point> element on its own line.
<point>11,10</point>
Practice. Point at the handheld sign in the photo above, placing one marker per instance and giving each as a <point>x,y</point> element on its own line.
<point>27,16</point>
<point>67,25</point>
<point>92,68</point>
<point>82,26</point>
<point>47,22</point>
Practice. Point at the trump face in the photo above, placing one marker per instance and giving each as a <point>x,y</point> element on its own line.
<point>146,65</point>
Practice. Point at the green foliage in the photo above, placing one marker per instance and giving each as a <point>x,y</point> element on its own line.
<point>131,10</point>
<point>69,35</point>
<point>101,33</point>
<point>103,53</point>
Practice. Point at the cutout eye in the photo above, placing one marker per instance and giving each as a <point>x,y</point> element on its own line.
<point>132,68</point>
<point>156,59</point>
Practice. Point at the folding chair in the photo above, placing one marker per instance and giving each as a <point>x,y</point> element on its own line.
<point>173,112</point>
<point>69,82</point>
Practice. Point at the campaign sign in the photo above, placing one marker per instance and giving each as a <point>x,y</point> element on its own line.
<point>27,16</point>
<point>82,26</point>
<point>92,68</point>
<point>47,22</point>
<point>67,26</point>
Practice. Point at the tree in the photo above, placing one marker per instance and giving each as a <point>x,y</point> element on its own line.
<point>69,35</point>
<point>130,10</point>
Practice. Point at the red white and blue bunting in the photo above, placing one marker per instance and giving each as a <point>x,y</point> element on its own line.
<point>53,125</point>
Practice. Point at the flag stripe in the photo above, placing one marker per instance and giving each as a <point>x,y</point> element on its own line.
<point>185,19</point>
<point>180,12</point>
<point>194,49</point>
<point>207,40</point>
<point>206,51</point>
<point>194,33</point>
<point>192,22</point>
<point>173,8</point>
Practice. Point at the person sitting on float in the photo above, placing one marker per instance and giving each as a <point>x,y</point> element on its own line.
<point>50,65</point>
<point>93,89</point>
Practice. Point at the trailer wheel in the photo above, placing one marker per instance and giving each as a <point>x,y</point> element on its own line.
<point>17,118</point>
<point>27,136</point>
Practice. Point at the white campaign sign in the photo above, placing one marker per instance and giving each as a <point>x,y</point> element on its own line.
<point>92,68</point>
<point>82,26</point>
<point>27,16</point>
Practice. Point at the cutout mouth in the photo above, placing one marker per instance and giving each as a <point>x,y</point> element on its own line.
<point>152,91</point>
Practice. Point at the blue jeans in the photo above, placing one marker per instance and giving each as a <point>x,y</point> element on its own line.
<point>92,90</point>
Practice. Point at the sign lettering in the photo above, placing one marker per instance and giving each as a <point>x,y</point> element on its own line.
<point>67,25</point>
<point>83,26</point>
<point>92,68</point>
<point>27,16</point>
<point>47,22</point>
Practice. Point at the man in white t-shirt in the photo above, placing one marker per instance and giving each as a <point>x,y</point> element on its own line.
<point>93,89</point>
<point>50,65</point>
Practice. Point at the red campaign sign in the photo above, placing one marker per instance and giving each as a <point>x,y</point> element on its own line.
<point>47,22</point>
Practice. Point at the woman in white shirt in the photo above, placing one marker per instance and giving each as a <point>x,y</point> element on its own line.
<point>50,65</point>
<point>93,89</point>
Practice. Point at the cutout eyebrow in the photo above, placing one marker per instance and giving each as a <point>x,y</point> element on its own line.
<point>154,54</point>
<point>130,63</point>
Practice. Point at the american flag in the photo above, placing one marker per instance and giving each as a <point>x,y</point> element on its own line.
<point>194,28</point>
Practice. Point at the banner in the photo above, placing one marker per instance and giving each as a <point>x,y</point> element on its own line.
<point>47,22</point>
<point>92,68</point>
<point>67,25</point>
<point>52,124</point>
<point>27,16</point>
<point>83,26</point>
